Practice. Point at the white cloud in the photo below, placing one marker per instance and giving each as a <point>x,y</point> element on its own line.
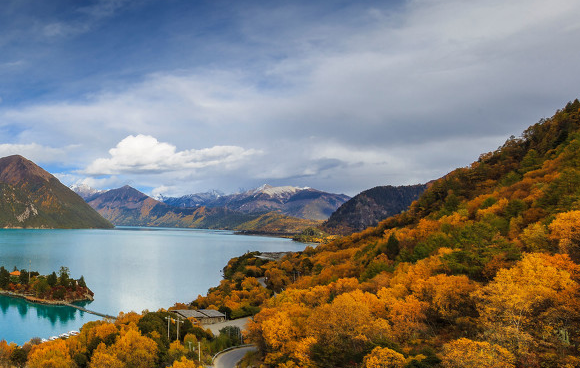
<point>93,14</point>
<point>387,96</point>
<point>33,151</point>
<point>145,154</point>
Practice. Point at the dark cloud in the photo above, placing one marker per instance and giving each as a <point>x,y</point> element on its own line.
<point>341,96</point>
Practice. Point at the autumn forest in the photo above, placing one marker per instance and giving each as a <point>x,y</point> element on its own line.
<point>481,271</point>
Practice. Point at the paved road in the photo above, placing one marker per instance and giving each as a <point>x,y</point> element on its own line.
<point>230,358</point>
<point>216,327</point>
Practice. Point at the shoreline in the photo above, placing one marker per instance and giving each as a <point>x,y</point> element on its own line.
<point>265,233</point>
<point>61,303</point>
<point>36,300</point>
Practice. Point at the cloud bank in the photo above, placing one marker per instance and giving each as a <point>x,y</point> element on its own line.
<point>341,98</point>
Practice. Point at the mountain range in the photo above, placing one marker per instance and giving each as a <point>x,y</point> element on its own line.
<point>305,203</point>
<point>127,206</point>
<point>30,197</point>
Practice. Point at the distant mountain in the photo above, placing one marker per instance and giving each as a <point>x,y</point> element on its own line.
<point>85,191</point>
<point>191,200</point>
<point>306,203</point>
<point>370,207</point>
<point>129,207</point>
<point>30,197</point>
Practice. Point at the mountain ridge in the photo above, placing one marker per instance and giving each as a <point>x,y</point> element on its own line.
<point>306,202</point>
<point>127,206</point>
<point>30,197</point>
<point>369,207</point>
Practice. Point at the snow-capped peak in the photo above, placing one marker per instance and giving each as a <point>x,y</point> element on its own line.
<point>278,191</point>
<point>84,190</point>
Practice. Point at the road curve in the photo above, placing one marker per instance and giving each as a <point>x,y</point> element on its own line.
<point>229,359</point>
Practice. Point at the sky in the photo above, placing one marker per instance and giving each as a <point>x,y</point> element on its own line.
<point>184,96</point>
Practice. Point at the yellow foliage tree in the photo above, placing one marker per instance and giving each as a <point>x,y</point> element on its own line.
<point>104,358</point>
<point>384,358</point>
<point>5,351</point>
<point>134,350</point>
<point>465,353</point>
<point>449,296</point>
<point>52,354</point>
<point>407,317</point>
<point>537,297</point>
<point>347,325</point>
<point>565,229</point>
<point>105,330</point>
<point>184,363</point>
<point>176,350</point>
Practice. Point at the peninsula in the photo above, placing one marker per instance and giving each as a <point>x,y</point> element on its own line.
<point>55,289</point>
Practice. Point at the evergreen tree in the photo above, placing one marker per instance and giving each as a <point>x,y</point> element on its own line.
<point>52,279</point>
<point>82,282</point>
<point>392,250</point>
<point>4,278</point>
<point>63,277</point>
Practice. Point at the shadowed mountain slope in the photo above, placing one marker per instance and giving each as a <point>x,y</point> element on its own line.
<point>30,197</point>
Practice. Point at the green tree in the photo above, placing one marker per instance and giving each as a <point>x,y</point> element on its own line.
<point>52,279</point>
<point>23,278</point>
<point>63,276</point>
<point>82,282</point>
<point>4,278</point>
<point>18,357</point>
<point>40,286</point>
<point>392,249</point>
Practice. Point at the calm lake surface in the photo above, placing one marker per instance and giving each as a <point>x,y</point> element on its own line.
<point>128,269</point>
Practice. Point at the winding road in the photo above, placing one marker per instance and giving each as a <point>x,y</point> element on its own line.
<point>230,358</point>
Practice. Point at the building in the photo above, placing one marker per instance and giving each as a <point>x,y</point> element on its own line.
<point>15,273</point>
<point>204,316</point>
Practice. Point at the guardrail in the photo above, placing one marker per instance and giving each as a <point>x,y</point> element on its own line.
<point>228,349</point>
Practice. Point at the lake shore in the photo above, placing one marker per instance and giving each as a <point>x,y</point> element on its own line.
<point>33,299</point>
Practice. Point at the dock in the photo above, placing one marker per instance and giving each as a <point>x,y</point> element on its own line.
<point>88,311</point>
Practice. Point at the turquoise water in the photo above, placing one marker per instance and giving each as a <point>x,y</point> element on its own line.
<point>128,269</point>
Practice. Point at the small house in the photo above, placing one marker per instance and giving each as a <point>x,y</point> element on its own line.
<point>15,273</point>
<point>204,316</point>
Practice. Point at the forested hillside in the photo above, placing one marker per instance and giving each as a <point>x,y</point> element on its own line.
<point>481,271</point>
<point>371,206</point>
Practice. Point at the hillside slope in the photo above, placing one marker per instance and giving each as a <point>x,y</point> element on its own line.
<point>30,197</point>
<point>481,271</point>
<point>371,206</point>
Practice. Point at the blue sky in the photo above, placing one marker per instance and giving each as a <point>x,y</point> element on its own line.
<point>183,96</point>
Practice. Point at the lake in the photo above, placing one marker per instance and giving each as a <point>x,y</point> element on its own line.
<point>128,269</point>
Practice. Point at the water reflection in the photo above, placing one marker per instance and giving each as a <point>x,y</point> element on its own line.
<point>22,308</point>
<point>55,314</point>
<point>83,303</point>
<point>4,304</point>
<point>52,313</point>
